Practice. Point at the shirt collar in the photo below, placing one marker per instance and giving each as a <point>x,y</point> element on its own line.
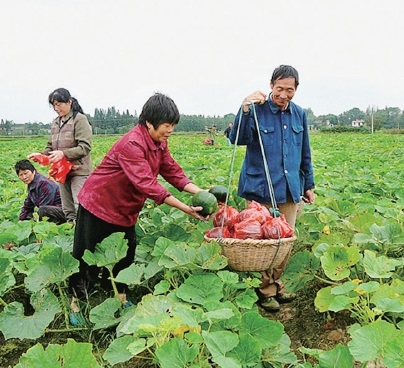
<point>153,145</point>
<point>275,108</point>
<point>34,181</point>
<point>66,118</point>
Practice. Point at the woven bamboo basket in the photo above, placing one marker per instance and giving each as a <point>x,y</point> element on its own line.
<point>254,255</point>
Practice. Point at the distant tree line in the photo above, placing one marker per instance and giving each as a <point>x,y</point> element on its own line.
<point>112,121</point>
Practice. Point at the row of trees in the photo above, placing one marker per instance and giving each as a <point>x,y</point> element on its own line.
<point>387,118</point>
<point>112,121</point>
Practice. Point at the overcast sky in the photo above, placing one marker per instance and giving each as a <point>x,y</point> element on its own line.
<point>206,54</point>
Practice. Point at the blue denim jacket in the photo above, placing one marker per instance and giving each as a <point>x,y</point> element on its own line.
<point>285,138</point>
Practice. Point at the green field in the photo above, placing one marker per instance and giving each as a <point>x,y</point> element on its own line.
<point>348,260</point>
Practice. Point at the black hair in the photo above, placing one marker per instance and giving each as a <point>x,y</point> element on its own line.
<point>285,71</point>
<point>159,109</point>
<point>24,165</point>
<point>63,95</point>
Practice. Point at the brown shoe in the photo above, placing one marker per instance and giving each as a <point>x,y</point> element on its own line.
<point>270,304</point>
<point>286,297</point>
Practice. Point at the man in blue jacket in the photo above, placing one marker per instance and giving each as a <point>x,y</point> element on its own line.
<point>284,132</point>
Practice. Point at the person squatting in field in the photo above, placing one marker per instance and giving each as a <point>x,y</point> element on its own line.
<point>42,193</point>
<point>212,133</point>
<point>115,192</point>
<point>71,136</point>
<point>284,132</point>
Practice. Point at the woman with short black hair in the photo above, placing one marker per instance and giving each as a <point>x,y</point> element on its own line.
<point>115,192</point>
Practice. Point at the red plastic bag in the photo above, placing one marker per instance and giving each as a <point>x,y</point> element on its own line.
<point>218,232</point>
<point>253,213</point>
<point>227,214</point>
<point>277,227</point>
<point>247,229</point>
<point>41,159</point>
<point>259,207</point>
<point>60,169</point>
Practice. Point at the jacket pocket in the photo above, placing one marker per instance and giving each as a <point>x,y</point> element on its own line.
<point>254,183</point>
<point>297,134</point>
<point>268,136</point>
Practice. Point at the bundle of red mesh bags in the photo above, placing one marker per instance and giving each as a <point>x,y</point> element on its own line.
<point>254,222</point>
<point>58,170</point>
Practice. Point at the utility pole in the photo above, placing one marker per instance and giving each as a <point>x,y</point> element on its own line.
<point>372,120</point>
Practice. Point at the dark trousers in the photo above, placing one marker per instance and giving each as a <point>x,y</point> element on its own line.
<point>91,230</point>
<point>53,213</point>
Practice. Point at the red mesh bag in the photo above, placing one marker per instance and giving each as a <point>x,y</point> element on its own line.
<point>218,232</point>
<point>247,229</point>
<point>277,227</point>
<point>227,214</point>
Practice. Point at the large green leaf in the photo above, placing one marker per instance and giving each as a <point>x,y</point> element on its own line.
<point>45,230</point>
<point>246,300</point>
<point>337,261</point>
<point>23,230</point>
<point>363,221</point>
<point>131,275</point>
<point>202,288</point>
<point>7,279</point>
<point>209,257</point>
<point>248,352</point>
<point>281,353</point>
<point>117,351</point>
<point>71,355</point>
<point>176,354</point>
<point>103,315</point>
<point>300,269</point>
<point>394,352</point>
<point>179,254</point>
<point>388,234</point>
<point>390,298</point>
<point>379,266</point>
<point>109,252</point>
<point>51,266</point>
<point>14,324</point>
<point>326,301</point>
<point>176,233</point>
<point>266,332</point>
<point>336,357</point>
<point>150,315</point>
<point>231,315</point>
<point>370,342</point>
<point>221,342</point>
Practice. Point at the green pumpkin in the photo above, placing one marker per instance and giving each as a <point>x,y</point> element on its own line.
<point>220,192</point>
<point>206,200</point>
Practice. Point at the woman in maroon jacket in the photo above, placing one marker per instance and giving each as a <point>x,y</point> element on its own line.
<point>115,192</point>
